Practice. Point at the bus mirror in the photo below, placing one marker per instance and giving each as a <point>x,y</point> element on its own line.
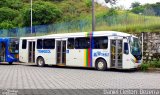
<point>126,49</point>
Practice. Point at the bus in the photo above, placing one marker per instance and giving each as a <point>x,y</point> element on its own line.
<point>9,48</point>
<point>99,49</point>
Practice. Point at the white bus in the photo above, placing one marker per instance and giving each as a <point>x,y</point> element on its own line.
<point>100,50</point>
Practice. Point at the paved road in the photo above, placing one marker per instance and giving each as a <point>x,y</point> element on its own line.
<point>24,76</point>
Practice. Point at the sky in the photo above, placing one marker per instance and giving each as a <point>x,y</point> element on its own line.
<point>127,3</point>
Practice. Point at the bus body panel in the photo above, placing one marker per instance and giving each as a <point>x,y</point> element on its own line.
<point>48,55</point>
<point>70,57</point>
<point>23,53</point>
<point>76,57</point>
<point>101,53</point>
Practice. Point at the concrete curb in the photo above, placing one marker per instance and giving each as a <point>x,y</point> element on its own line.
<point>154,70</point>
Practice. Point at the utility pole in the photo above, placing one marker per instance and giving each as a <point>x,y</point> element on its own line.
<point>31,18</point>
<point>93,16</point>
<point>142,36</point>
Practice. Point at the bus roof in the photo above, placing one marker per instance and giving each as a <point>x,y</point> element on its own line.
<point>79,34</point>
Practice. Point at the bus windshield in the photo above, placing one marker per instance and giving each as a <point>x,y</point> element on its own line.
<point>135,47</point>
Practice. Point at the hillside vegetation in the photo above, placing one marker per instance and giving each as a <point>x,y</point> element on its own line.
<point>16,13</point>
<point>75,15</point>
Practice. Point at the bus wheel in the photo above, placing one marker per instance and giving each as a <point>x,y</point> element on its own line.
<point>40,62</point>
<point>10,63</point>
<point>101,65</point>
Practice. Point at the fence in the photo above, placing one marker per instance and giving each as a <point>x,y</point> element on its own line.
<point>122,22</point>
<point>75,26</point>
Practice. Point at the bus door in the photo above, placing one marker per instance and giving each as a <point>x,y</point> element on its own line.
<point>61,52</point>
<point>2,52</point>
<point>31,51</point>
<point>116,53</point>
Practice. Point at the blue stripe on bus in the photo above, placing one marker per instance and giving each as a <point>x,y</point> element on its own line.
<point>92,45</point>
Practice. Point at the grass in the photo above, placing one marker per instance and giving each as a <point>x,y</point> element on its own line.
<point>144,67</point>
<point>152,64</point>
<point>130,23</point>
<point>133,23</point>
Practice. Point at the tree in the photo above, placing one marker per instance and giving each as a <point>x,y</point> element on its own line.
<point>8,14</point>
<point>111,1</point>
<point>147,9</point>
<point>43,13</point>
<point>135,4</point>
<point>13,4</point>
<point>6,25</point>
<point>138,10</point>
<point>149,12</point>
<point>88,3</point>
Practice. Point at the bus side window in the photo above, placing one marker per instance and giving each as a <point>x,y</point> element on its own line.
<point>39,44</point>
<point>126,49</point>
<point>100,42</point>
<point>48,43</point>
<point>82,43</point>
<point>24,44</point>
<point>14,47</point>
<point>70,44</point>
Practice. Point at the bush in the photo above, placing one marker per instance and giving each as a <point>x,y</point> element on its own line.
<point>151,64</point>
<point>7,14</point>
<point>6,25</point>
<point>144,67</point>
<point>154,64</point>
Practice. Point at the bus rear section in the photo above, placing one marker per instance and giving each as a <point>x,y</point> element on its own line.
<point>9,50</point>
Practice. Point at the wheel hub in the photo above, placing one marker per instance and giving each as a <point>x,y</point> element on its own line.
<point>40,62</point>
<point>100,65</point>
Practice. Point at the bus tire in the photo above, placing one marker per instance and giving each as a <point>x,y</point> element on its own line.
<point>101,65</point>
<point>10,63</point>
<point>40,62</point>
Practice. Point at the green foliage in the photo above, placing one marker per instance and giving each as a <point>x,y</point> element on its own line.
<point>54,0</point>
<point>111,1</point>
<point>135,4</point>
<point>7,17</point>
<point>13,4</point>
<point>138,10</point>
<point>75,11</point>
<point>16,13</point>
<point>110,16</point>
<point>6,25</point>
<point>128,22</point>
<point>151,64</point>
<point>112,12</point>
<point>43,13</point>
<point>154,64</point>
<point>144,67</point>
<point>7,14</point>
<point>149,12</point>
<point>148,9</point>
<point>88,3</point>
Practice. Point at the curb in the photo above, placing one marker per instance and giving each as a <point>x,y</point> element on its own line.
<point>154,70</point>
